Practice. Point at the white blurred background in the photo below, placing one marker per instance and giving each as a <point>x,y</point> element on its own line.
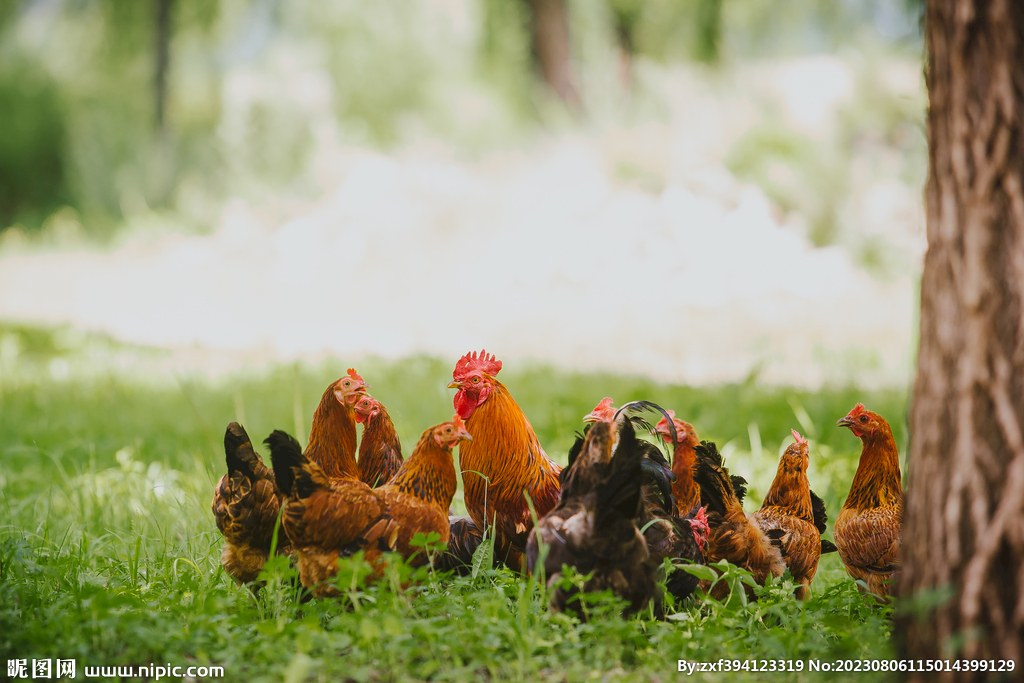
<point>712,200</point>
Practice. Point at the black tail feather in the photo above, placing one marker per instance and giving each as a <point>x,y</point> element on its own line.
<point>620,490</point>
<point>235,439</point>
<point>634,412</point>
<point>828,547</point>
<point>716,487</point>
<point>286,456</point>
<point>739,486</point>
<point>818,512</point>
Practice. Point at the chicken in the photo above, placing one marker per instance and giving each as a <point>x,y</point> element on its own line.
<point>332,438</point>
<point>326,519</point>
<point>667,533</point>
<point>245,496</point>
<point>380,456</point>
<point>592,528</point>
<point>735,536</point>
<point>503,462</point>
<point>380,453</point>
<point>685,440</point>
<point>792,508</point>
<point>867,530</point>
<point>245,506</point>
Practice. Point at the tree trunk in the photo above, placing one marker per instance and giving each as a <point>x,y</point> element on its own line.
<point>962,581</point>
<point>163,51</point>
<point>551,48</point>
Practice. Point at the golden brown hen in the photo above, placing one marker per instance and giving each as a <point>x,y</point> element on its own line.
<point>380,453</point>
<point>245,506</point>
<point>735,536</point>
<point>246,497</point>
<point>867,530</point>
<point>326,519</point>
<point>684,489</point>
<point>793,509</point>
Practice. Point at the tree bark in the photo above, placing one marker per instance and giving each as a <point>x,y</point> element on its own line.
<point>962,582</point>
<point>551,48</point>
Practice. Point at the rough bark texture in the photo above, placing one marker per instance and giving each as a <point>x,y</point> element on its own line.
<point>551,48</point>
<point>963,534</point>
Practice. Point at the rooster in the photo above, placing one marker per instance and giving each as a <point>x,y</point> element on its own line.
<point>735,536</point>
<point>245,506</point>
<point>380,453</point>
<point>686,492</point>
<point>505,462</point>
<point>792,508</point>
<point>246,497</point>
<point>668,534</point>
<point>326,519</point>
<point>592,528</point>
<point>867,530</point>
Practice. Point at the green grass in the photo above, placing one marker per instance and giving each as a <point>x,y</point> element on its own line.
<point>109,553</point>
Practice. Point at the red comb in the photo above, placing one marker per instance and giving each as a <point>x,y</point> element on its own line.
<point>471,362</point>
<point>355,375</point>
<point>701,516</point>
<point>799,439</point>
<point>605,404</point>
<point>457,422</point>
<point>857,410</point>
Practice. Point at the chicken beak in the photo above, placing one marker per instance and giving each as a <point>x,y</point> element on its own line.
<point>591,418</point>
<point>455,385</point>
<point>844,422</point>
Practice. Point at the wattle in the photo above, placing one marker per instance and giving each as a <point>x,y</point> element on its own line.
<point>464,405</point>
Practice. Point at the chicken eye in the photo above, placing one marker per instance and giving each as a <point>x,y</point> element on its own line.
<point>476,380</point>
<point>863,418</point>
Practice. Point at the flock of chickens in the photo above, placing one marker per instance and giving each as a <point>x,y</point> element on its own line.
<point>614,513</point>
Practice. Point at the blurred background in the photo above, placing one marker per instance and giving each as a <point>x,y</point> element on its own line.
<point>691,191</point>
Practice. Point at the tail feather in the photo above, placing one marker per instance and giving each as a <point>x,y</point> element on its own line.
<point>716,486</point>
<point>634,414</point>
<point>620,490</point>
<point>574,453</point>
<point>818,512</point>
<point>828,547</point>
<point>654,470</point>
<point>294,472</point>
<point>739,486</point>
<point>239,453</point>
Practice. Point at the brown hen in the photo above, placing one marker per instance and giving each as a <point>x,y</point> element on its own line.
<point>867,530</point>
<point>793,509</point>
<point>326,519</point>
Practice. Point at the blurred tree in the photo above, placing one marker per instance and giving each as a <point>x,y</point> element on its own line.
<point>626,14</point>
<point>962,582</point>
<point>708,26</point>
<point>163,58</point>
<point>550,29</point>
<point>33,176</point>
